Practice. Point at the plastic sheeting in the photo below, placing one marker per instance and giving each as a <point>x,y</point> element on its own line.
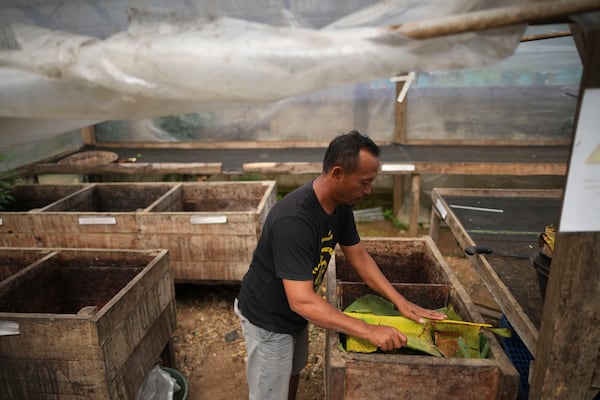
<point>195,57</point>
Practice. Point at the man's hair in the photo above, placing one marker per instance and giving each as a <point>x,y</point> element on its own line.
<point>344,149</point>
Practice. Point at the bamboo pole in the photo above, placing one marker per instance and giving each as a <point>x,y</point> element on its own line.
<point>495,18</point>
<point>543,36</point>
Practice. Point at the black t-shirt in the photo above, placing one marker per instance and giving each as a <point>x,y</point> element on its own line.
<point>297,241</point>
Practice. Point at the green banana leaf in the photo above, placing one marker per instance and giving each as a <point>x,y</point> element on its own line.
<point>438,338</point>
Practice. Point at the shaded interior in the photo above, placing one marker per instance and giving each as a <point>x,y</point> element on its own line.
<point>211,198</point>
<point>115,198</point>
<point>68,282</point>
<point>14,261</point>
<point>400,262</point>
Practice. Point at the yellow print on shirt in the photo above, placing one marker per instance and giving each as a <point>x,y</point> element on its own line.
<point>321,267</point>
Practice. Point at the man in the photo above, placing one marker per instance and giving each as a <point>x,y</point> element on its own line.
<point>278,293</point>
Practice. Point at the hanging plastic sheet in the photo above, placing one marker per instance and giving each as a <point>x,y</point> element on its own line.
<point>188,59</point>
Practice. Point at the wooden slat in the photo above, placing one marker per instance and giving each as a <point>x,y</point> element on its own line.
<point>459,381</point>
<point>491,168</point>
<point>52,378</point>
<point>139,168</point>
<point>500,193</point>
<point>249,144</point>
<point>299,168</point>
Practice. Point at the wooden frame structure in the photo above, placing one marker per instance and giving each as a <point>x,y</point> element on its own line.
<point>566,364</point>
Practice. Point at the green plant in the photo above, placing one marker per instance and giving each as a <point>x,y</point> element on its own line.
<point>388,214</point>
<point>7,180</point>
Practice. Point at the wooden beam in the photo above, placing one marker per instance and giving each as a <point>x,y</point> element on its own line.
<point>423,168</point>
<point>124,168</point>
<point>568,345</point>
<point>495,18</point>
<point>300,168</point>
<point>490,168</point>
<point>217,145</point>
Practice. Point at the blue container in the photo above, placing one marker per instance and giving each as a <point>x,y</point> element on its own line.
<point>181,381</point>
<point>519,356</point>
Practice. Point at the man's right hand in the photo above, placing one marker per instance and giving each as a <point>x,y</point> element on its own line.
<point>387,338</point>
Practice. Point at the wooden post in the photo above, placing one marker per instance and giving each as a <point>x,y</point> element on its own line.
<point>397,194</point>
<point>415,192</point>
<point>434,225</point>
<point>399,138</point>
<point>568,347</point>
<point>89,136</point>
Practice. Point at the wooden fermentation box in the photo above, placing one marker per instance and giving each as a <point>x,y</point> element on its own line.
<point>209,228</point>
<point>417,269</point>
<point>508,221</point>
<point>91,323</point>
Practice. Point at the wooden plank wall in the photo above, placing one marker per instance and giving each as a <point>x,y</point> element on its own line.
<point>569,343</point>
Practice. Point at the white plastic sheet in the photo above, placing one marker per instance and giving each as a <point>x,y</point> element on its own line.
<point>188,60</point>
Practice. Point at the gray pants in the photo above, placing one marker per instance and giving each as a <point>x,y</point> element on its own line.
<point>272,359</point>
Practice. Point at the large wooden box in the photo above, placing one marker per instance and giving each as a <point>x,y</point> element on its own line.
<point>91,323</point>
<point>14,218</point>
<point>209,228</point>
<point>417,270</point>
<point>96,216</point>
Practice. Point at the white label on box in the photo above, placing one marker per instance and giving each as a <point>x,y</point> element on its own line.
<point>97,221</point>
<point>208,219</point>
<point>9,328</point>
<point>441,209</point>
<point>1,223</point>
<point>397,167</point>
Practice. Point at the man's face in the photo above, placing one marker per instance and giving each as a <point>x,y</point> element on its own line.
<point>356,185</point>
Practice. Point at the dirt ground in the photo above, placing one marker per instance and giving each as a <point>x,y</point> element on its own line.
<point>209,347</point>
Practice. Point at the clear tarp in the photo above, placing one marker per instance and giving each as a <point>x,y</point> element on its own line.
<point>255,70</point>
